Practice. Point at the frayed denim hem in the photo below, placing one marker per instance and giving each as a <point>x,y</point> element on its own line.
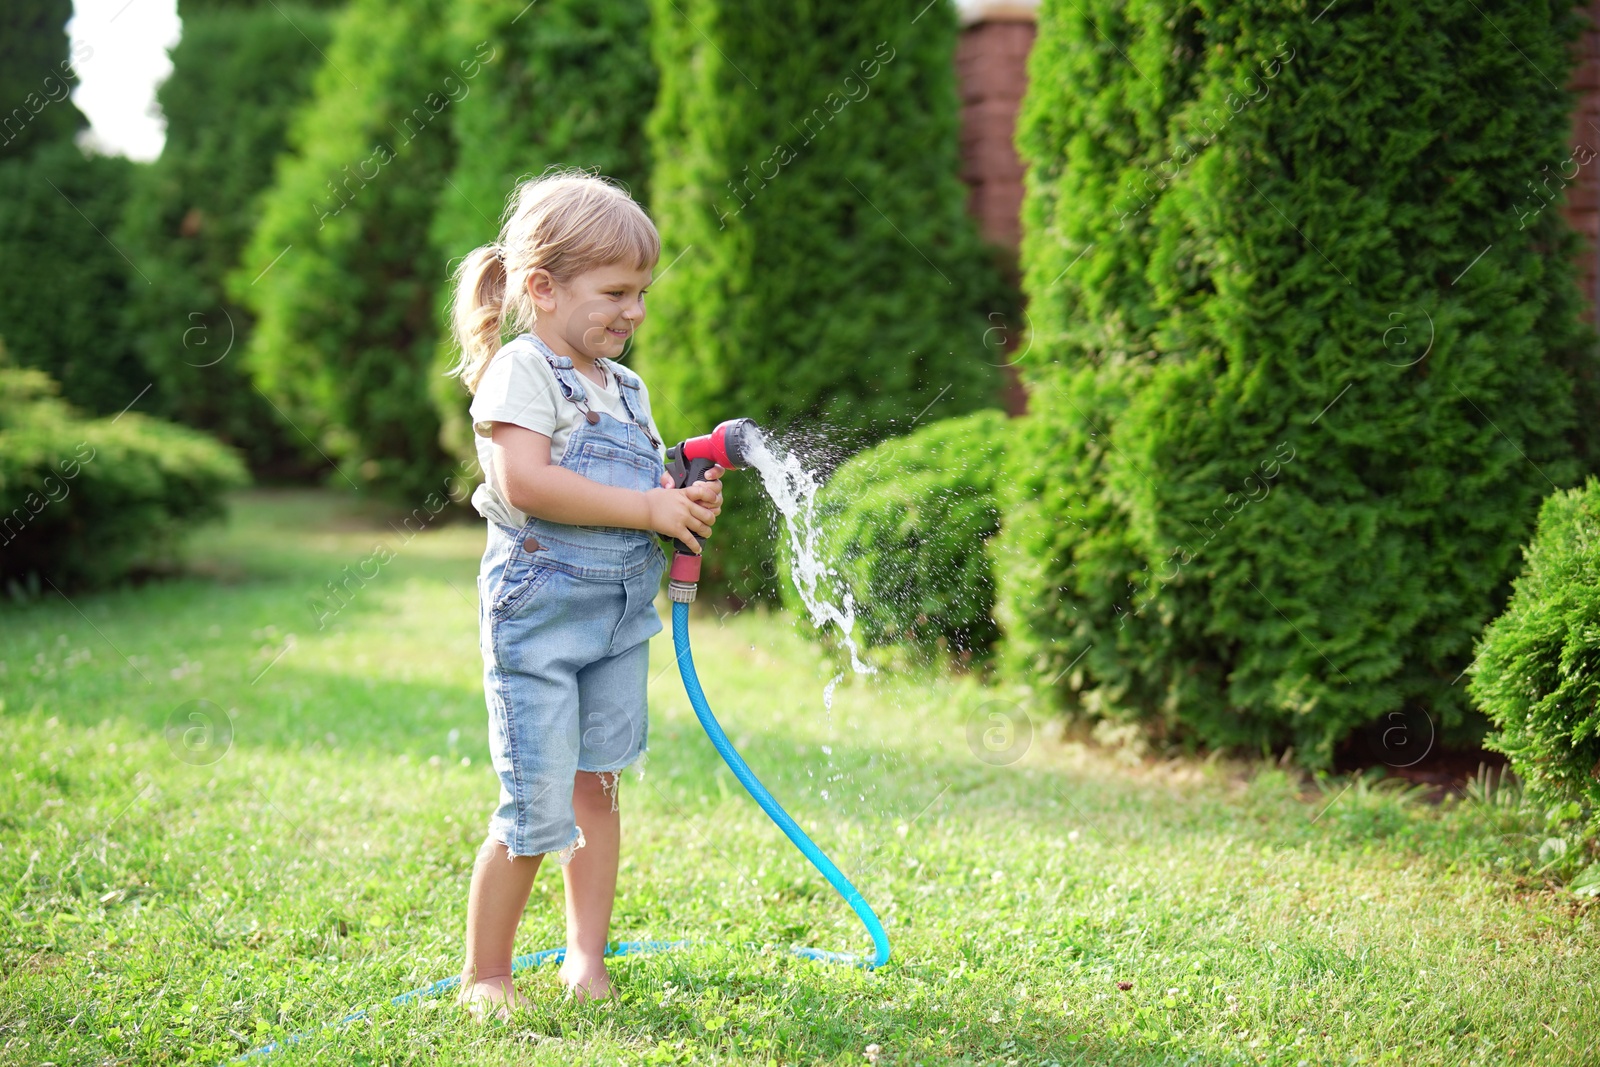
<point>563,855</point>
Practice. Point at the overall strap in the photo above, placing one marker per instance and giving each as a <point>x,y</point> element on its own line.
<point>628,384</point>
<point>569,381</point>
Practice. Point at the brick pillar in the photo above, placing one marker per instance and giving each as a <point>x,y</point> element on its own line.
<point>1581,204</point>
<point>992,68</point>
<point>992,72</point>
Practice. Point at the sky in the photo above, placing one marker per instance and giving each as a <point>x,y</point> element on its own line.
<point>117,80</point>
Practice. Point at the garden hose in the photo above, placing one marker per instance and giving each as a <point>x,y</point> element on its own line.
<point>752,784</point>
<point>775,812</point>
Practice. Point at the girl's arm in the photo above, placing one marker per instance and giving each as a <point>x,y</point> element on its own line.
<point>535,486</point>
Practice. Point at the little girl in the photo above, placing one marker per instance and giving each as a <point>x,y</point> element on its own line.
<point>574,485</point>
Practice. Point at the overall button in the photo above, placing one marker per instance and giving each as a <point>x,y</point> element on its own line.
<point>530,545</point>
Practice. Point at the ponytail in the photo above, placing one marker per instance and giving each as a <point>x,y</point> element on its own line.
<point>478,315</point>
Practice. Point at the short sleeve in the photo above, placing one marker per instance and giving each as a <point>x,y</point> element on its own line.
<point>516,388</point>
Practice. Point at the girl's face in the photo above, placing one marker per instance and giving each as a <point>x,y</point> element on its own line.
<point>594,314</point>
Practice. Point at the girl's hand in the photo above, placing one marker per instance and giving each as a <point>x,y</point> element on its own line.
<point>708,492</point>
<point>683,513</point>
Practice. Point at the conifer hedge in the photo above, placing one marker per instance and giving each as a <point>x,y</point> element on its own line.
<point>239,71</point>
<point>341,271</point>
<point>571,85</point>
<point>1302,358</point>
<point>819,273</point>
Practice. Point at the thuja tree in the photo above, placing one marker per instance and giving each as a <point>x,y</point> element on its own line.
<point>340,272</point>
<point>1302,361</point>
<point>64,284</point>
<point>819,273</point>
<point>570,84</point>
<point>239,72</point>
<point>37,76</point>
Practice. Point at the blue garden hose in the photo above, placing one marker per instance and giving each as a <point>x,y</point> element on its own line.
<point>791,829</point>
<point>752,784</point>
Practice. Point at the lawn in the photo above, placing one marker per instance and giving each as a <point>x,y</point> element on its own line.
<point>179,894</point>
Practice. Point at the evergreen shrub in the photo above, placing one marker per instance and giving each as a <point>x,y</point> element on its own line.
<point>189,9</point>
<point>238,74</point>
<point>341,272</point>
<point>83,501</point>
<point>65,284</point>
<point>571,85</point>
<point>1537,671</point>
<point>1302,364</point>
<point>905,523</point>
<point>819,271</point>
<point>37,77</point>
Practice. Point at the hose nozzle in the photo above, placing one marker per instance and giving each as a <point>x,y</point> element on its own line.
<point>729,446</point>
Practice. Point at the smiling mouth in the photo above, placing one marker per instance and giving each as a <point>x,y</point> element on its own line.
<point>616,333</point>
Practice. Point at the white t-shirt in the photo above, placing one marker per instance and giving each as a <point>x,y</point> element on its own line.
<point>520,388</point>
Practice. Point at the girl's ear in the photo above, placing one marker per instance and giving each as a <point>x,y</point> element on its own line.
<point>542,288</point>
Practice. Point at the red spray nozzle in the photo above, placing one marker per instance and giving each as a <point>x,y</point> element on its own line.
<point>727,446</point>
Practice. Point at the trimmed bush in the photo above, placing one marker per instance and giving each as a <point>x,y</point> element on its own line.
<point>1537,671</point>
<point>570,85</point>
<point>905,523</point>
<point>85,501</point>
<point>819,273</point>
<point>1302,359</point>
<point>238,73</point>
<point>341,273</point>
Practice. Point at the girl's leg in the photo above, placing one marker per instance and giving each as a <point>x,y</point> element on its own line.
<point>591,881</point>
<point>613,726</point>
<point>499,893</point>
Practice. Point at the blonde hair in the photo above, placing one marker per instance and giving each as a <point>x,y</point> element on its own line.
<point>566,221</point>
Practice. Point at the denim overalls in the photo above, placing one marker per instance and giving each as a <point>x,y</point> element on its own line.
<point>566,614</point>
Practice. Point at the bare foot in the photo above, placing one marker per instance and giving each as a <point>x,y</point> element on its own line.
<point>492,996</point>
<point>586,979</point>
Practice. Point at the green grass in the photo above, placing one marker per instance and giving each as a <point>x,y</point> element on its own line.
<point>159,910</point>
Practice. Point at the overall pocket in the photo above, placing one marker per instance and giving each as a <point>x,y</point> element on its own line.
<point>521,579</point>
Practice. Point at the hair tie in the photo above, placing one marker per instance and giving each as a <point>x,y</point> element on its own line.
<point>498,253</point>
